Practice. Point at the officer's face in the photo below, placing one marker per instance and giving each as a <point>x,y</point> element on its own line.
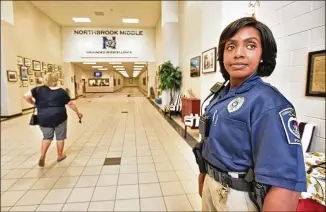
<point>242,54</point>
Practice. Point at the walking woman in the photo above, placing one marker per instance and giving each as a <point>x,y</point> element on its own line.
<point>50,101</point>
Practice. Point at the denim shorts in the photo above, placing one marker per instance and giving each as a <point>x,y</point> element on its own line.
<point>60,132</point>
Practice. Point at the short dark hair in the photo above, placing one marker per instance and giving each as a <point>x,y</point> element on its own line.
<point>269,48</point>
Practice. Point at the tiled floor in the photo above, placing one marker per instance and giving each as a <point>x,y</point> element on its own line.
<point>158,171</point>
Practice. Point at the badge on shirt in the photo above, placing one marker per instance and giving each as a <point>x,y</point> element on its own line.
<point>290,125</point>
<point>235,104</point>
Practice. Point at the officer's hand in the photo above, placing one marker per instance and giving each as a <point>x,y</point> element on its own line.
<point>201,179</point>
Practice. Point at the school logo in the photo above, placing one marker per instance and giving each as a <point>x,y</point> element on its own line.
<point>290,125</point>
<point>235,104</point>
<point>109,43</point>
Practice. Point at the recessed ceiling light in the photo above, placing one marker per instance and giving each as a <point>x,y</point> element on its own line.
<point>138,66</point>
<point>139,63</point>
<point>130,20</point>
<point>84,20</point>
<point>118,66</point>
<point>114,63</point>
<point>89,63</point>
<point>97,66</point>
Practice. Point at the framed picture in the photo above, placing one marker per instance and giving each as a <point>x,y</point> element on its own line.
<point>209,60</point>
<point>37,74</point>
<point>50,68</point>
<point>29,71</point>
<point>23,73</point>
<point>44,66</point>
<point>36,65</point>
<point>130,80</point>
<point>38,80</point>
<point>12,76</point>
<point>98,82</point>
<point>55,68</point>
<point>195,67</point>
<point>27,62</point>
<point>315,83</point>
<point>25,83</point>
<point>20,60</point>
<point>31,80</point>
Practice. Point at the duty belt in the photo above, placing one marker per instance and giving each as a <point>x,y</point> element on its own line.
<point>227,181</point>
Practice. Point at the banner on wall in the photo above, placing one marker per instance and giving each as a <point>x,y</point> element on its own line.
<point>81,45</point>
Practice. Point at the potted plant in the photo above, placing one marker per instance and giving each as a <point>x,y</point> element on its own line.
<point>170,78</point>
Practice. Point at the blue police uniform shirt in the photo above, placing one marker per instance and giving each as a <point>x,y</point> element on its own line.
<point>254,125</point>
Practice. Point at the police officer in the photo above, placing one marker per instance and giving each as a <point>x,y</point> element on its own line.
<point>253,156</point>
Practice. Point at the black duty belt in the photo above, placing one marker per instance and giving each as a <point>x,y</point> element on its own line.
<point>227,180</point>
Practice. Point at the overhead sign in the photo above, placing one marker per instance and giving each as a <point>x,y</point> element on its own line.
<point>81,45</point>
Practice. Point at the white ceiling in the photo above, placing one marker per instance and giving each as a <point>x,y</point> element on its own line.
<point>129,66</point>
<point>62,12</point>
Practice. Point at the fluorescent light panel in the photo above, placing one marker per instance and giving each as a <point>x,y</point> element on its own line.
<point>97,66</point>
<point>139,63</point>
<point>89,63</point>
<point>81,20</point>
<point>102,69</point>
<point>114,63</point>
<point>120,69</point>
<point>138,66</point>
<point>118,66</point>
<point>130,20</point>
<point>138,69</point>
<point>124,73</point>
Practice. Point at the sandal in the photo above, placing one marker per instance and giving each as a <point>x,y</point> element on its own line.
<point>41,162</point>
<point>61,159</point>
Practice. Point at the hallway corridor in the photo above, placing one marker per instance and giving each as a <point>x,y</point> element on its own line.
<point>158,171</point>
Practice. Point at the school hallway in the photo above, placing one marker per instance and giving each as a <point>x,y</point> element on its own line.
<point>157,170</point>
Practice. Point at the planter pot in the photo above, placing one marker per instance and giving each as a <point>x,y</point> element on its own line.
<point>165,97</point>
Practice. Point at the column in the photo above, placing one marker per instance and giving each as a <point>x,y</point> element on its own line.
<point>10,92</point>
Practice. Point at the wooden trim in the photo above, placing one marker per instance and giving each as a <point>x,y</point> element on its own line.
<point>28,108</point>
<point>11,116</point>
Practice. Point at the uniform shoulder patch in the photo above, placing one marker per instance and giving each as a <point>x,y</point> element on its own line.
<point>290,125</point>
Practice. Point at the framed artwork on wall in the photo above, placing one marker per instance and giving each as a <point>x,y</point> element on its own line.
<point>195,67</point>
<point>130,81</point>
<point>50,68</point>
<point>36,65</point>
<point>37,74</point>
<point>20,60</point>
<point>31,80</point>
<point>23,73</point>
<point>44,66</point>
<point>315,83</point>
<point>12,76</point>
<point>98,82</point>
<point>38,80</point>
<point>25,83</point>
<point>29,71</point>
<point>209,60</point>
<point>27,62</point>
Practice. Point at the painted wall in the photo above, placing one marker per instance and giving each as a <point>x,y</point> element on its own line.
<point>299,27</point>
<point>33,35</point>
<point>130,82</point>
<point>140,81</point>
<point>91,46</point>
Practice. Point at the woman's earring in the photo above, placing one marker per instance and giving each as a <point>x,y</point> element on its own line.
<point>261,61</point>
